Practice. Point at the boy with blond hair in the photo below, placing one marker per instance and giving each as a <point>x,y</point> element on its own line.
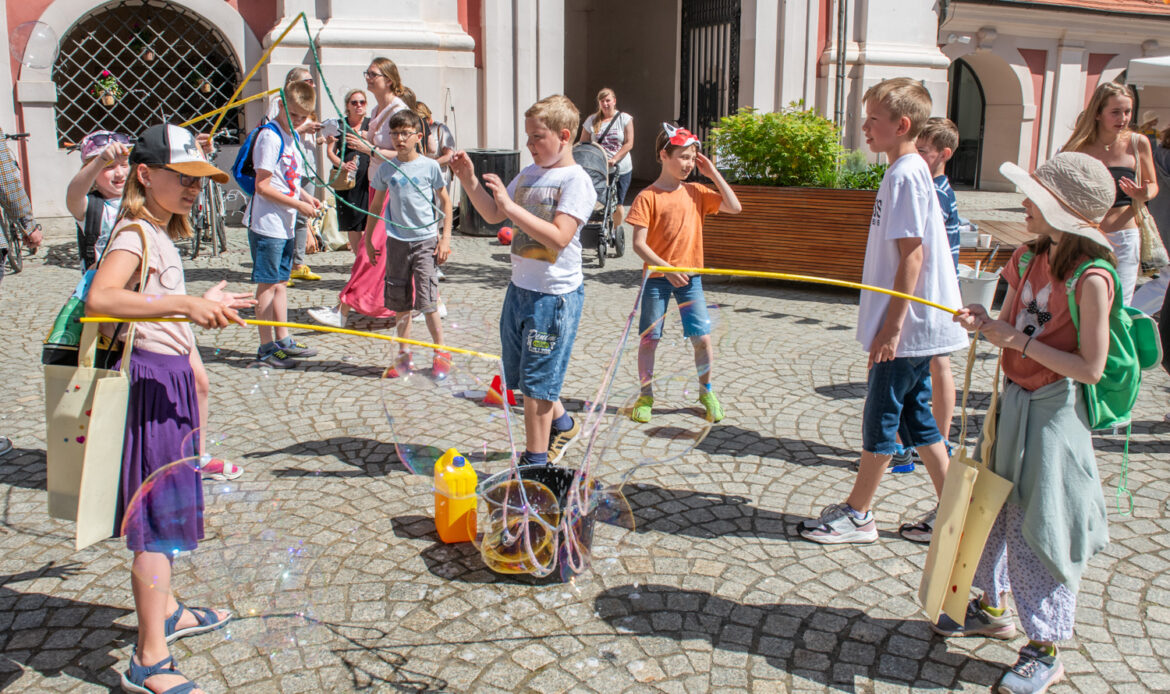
<point>548,203</point>
<point>272,217</point>
<point>907,252</point>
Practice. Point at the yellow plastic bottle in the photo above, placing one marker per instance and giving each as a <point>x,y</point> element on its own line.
<point>455,500</point>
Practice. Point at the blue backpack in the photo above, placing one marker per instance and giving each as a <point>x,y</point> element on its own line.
<point>243,169</point>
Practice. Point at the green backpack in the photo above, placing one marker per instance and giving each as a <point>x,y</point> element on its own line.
<point>1133,347</point>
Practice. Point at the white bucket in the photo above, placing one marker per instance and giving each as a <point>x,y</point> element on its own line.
<point>977,287</point>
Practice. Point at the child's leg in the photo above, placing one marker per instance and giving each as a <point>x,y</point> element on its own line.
<point>646,349</point>
<point>655,299</point>
<point>202,391</point>
<point>435,326</point>
<point>692,311</point>
<point>865,485</point>
<point>702,345</point>
<point>538,418</point>
<point>150,581</point>
<point>548,334</point>
<point>265,296</point>
<point>280,309</point>
<point>936,460</point>
<point>891,385</point>
<point>398,295</point>
<point>942,398</point>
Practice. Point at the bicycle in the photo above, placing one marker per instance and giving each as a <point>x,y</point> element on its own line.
<point>208,213</point>
<point>13,231</point>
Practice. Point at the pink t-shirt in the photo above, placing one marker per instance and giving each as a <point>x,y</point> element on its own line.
<point>165,276</point>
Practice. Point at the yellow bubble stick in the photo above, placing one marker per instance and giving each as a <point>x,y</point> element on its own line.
<point>263,59</point>
<point>229,107</point>
<point>306,326</point>
<point>798,278</point>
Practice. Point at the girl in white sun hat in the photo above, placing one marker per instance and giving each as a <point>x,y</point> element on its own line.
<point>1054,519</point>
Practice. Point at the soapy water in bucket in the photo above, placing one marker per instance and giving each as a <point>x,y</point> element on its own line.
<point>253,559</point>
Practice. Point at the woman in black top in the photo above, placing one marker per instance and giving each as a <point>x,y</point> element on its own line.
<point>357,159</point>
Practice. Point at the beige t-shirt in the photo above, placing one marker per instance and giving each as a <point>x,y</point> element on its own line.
<point>165,276</point>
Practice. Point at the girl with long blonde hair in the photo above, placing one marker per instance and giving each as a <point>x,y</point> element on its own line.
<point>1103,131</point>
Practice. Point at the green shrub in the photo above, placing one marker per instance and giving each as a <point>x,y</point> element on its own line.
<point>792,147</point>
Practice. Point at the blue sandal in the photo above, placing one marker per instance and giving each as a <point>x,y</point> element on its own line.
<point>208,621</point>
<point>134,679</point>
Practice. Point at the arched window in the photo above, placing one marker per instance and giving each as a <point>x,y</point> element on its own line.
<point>130,64</point>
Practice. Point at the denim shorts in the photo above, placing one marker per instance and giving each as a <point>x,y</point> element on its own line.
<point>537,332</point>
<point>692,307</point>
<point>271,258</point>
<point>898,402</point>
<point>622,186</point>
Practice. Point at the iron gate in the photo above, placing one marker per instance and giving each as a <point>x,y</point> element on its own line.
<point>710,62</point>
<point>130,63</point>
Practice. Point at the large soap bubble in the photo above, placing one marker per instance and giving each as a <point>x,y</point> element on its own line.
<point>231,546</point>
<point>33,44</point>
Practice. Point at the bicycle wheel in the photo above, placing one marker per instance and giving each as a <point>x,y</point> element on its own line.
<point>15,244</point>
<point>198,221</point>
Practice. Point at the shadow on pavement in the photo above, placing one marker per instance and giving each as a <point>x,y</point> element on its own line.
<point>735,441</point>
<point>709,515</point>
<point>827,645</point>
<point>56,636</point>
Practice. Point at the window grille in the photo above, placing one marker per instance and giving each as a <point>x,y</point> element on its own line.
<point>164,61</point>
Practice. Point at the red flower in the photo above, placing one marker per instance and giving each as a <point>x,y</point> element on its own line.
<point>105,73</point>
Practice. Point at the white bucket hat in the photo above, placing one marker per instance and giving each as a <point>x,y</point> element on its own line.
<point>1073,191</point>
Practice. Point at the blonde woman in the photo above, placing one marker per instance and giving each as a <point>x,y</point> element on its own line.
<point>614,131</point>
<point>1103,131</point>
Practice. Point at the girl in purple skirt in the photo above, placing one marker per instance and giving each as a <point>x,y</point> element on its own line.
<point>166,515</point>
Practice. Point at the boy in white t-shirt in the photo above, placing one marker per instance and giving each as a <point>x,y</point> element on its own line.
<point>548,203</point>
<point>272,217</point>
<point>907,252</point>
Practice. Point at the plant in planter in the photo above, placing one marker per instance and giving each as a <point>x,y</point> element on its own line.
<point>807,201</point>
<point>107,89</point>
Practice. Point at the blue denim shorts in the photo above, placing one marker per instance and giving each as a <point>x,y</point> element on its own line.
<point>271,258</point>
<point>692,307</point>
<point>898,402</point>
<point>537,332</point>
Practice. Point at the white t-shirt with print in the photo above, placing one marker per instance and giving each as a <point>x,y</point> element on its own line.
<point>907,207</point>
<point>545,192</point>
<point>267,218</point>
<point>613,140</point>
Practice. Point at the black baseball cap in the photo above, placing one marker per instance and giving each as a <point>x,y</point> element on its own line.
<point>175,148</point>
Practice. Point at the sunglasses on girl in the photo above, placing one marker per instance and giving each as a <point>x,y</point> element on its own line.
<point>95,142</point>
<point>185,180</point>
<point>356,102</point>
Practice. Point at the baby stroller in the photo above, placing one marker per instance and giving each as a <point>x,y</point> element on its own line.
<point>599,231</point>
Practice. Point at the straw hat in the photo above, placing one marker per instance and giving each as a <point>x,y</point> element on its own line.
<point>1073,191</point>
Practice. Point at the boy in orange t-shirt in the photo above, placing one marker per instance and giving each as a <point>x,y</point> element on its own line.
<point>668,230</point>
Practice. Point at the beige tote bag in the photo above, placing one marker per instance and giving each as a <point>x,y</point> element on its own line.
<point>85,416</point>
<point>971,498</point>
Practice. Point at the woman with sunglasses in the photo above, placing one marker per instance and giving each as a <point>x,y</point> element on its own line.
<point>95,193</point>
<point>165,516</point>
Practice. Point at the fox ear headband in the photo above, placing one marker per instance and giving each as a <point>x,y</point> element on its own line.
<point>680,137</point>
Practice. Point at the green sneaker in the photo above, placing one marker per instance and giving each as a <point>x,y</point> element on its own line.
<point>642,407</point>
<point>714,410</point>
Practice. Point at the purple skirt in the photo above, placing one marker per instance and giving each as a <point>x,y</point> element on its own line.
<point>165,514</point>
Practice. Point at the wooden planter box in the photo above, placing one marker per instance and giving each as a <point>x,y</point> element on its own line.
<point>806,231</point>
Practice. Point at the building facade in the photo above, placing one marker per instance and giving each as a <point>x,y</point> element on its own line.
<point>1013,74</point>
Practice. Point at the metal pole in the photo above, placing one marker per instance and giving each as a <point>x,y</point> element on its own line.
<point>839,98</point>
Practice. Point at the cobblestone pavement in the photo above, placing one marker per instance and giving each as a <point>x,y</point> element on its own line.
<point>711,589</point>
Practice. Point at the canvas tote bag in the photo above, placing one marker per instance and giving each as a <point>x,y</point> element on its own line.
<point>85,415</point>
<point>1152,253</point>
<point>971,498</point>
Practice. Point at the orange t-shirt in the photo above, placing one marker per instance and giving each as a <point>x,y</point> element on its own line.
<point>674,221</point>
<point>1041,306</point>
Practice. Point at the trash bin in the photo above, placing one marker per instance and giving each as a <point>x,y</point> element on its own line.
<point>504,163</point>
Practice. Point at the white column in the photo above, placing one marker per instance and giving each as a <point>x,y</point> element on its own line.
<point>1068,96</point>
<point>798,31</point>
<point>7,110</point>
<point>497,84</point>
<point>759,54</point>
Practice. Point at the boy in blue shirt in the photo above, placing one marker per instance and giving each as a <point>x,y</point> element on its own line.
<point>548,203</point>
<point>414,249</point>
<point>907,252</point>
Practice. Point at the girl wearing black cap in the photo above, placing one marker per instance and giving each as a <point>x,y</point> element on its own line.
<point>160,504</point>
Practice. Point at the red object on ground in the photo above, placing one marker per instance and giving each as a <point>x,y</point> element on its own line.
<point>504,236</point>
<point>495,396</point>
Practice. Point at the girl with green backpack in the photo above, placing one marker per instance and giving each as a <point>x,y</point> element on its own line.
<point>1054,519</point>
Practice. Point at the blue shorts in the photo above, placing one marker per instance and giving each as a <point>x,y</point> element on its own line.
<point>623,185</point>
<point>692,307</point>
<point>537,332</point>
<point>898,402</point>
<point>271,258</point>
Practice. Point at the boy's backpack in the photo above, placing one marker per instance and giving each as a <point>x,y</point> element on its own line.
<point>1133,347</point>
<point>243,169</point>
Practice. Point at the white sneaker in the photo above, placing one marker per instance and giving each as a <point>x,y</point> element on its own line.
<point>440,274</point>
<point>326,315</point>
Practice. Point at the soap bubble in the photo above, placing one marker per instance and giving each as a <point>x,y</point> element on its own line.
<point>33,44</point>
<point>232,547</point>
